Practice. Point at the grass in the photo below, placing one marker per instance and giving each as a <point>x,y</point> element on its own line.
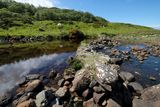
<point>45,28</point>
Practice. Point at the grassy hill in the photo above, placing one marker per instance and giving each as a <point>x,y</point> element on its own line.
<point>17,19</point>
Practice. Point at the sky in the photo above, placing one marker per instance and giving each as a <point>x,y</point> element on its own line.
<point>140,12</point>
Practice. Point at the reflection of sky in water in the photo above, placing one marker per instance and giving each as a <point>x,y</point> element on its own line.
<point>11,73</point>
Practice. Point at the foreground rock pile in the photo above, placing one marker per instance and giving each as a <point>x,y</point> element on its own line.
<point>100,83</point>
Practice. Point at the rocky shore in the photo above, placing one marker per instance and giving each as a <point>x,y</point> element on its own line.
<point>99,83</point>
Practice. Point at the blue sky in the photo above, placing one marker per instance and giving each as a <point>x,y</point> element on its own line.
<point>141,12</point>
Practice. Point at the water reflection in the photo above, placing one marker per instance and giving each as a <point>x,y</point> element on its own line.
<point>11,73</point>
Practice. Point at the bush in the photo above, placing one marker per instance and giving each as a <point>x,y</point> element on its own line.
<point>76,34</point>
<point>75,64</point>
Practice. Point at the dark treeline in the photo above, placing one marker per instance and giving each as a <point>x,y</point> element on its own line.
<point>16,14</point>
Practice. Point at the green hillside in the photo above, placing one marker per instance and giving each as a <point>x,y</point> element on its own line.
<point>17,19</point>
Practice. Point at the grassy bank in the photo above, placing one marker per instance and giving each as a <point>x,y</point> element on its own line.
<point>45,28</point>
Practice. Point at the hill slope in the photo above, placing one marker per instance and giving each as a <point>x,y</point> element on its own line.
<point>24,19</point>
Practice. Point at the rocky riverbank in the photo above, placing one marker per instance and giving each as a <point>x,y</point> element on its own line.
<point>99,83</point>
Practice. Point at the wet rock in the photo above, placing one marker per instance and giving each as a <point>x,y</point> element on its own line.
<point>152,78</point>
<point>98,98</point>
<point>5,99</point>
<point>126,76</point>
<point>52,74</point>
<point>44,98</point>
<point>28,103</point>
<point>34,86</point>
<point>22,81</point>
<point>89,103</point>
<point>61,82</point>
<point>117,61</point>
<point>112,103</point>
<point>63,92</point>
<point>33,76</point>
<point>135,87</point>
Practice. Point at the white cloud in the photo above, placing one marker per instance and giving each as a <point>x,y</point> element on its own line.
<point>44,3</point>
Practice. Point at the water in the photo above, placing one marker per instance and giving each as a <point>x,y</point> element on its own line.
<point>13,69</point>
<point>142,71</point>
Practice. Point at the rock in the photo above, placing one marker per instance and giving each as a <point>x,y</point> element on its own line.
<point>136,87</point>
<point>98,98</point>
<point>62,92</point>
<point>69,78</point>
<point>34,86</point>
<point>117,61</point>
<point>98,89</point>
<point>44,98</point>
<point>151,93</point>
<point>67,83</point>
<point>22,81</point>
<point>126,76</point>
<point>33,76</point>
<point>89,103</point>
<point>28,103</point>
<point>93,83</point>
<point>61,82</point>
<point>80,83</point>
<point>5,99</point>
<point>106,74</point>
<point>87,94</point>
<point>112,103</point>
<point>104,103</point>
<point>152,78</point>
<point>52,74</point>
<point>144,103</point>
<point>57,105</point>
<point>23,98</point>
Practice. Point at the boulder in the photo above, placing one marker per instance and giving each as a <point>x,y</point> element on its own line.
<point>151,93</point>
<point>142,103</point>
<point>44,98</point>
